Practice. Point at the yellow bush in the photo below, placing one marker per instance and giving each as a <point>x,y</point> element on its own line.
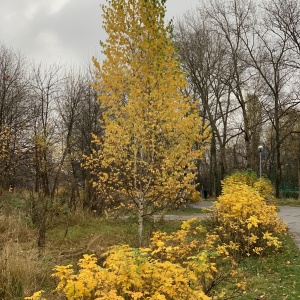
<point>262,185</point>
<point>243,221</point>
<point>247,177</point>
<point>174,267</point>
<point>177,246</point>
<point>128,274</point>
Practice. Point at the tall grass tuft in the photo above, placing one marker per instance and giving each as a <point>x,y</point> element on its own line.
<point>21,270</point>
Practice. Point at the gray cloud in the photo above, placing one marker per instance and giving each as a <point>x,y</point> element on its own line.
<point>60,30</point>
<point>45,31</point>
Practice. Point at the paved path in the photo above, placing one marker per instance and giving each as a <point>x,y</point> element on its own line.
<point>289,215</point>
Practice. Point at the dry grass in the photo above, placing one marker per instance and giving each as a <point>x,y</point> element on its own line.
<point>22,272</point>
<point>13,228</point>
<point>22,269</point>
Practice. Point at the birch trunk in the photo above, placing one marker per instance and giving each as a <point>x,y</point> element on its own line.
<point>299,176</point>
<point>140,220</point>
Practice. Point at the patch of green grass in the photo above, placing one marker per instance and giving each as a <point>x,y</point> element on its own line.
<point>109,232</point>
<point>187,211</point>
<point>11,201</point>
<point>288,202</point>
<point>276,277</point>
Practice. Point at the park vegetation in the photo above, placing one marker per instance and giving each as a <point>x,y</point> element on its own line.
<point>230,53</point>
<point>147,157</point>
<point>189,263</point>
<point>169,113</point>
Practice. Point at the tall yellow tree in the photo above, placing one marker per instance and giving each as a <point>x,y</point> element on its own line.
<point>146,158</point>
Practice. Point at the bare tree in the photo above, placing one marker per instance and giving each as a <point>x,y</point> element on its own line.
<point>269,56</point>
<point>241,60</point>
<point>232,19</point>
<point>213,54</point>
<point>202,55</point>
<point>284,17</point>
<point>70,107</point>
<point>255,121</point>
<point>13,113</point>
<point>80,113</point>
<point>90,123</point>
<point>45,90</point>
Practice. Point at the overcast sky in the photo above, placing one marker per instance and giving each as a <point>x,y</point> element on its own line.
<point>65,31</point>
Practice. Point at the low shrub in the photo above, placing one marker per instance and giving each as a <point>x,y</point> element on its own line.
<point>243,222</point>
<point>262,185</point>
<point>173,267</point>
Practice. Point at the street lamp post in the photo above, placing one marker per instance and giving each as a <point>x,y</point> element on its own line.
<point>260,148</point>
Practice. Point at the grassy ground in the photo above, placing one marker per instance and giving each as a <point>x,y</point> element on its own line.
<point>276,277</point>
<point>96,234</point>
<point>24,269</point>
<point>186,211</point>
<point>288,202</point>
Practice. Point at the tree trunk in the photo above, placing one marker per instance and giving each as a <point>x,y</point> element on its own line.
<point>213,167</point>
<point>299,176</point>
<point>42,232</point>
<point>277,147</point>
<point>140,220</point>
<point>223,168</point>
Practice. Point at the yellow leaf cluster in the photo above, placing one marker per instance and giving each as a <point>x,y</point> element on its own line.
<point>262,185</point>
<point>176,247</point>
<point>156,272</point>
<point>36,296</point>
<point>6,138</point>
<point>244,222</point>
<point>136,274</point>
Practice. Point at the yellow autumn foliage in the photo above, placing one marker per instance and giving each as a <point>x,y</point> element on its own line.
<point>147,157</point>
<point>178,266</point>
<point>262,185</point>
<point>243,221</point>
<point>7,139</point>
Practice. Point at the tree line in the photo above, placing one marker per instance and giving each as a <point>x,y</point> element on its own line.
<point>46,116</point>
<point>241,62</point>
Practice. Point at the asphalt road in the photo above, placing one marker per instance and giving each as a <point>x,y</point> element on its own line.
<point>291,216</point>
